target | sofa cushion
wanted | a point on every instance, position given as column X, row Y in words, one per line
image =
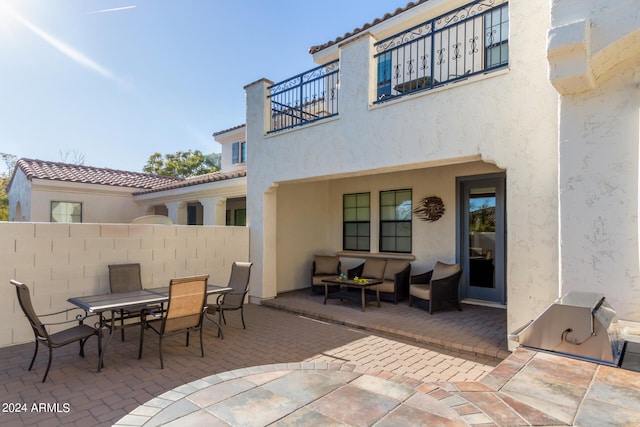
column 326, row 264
column 393, row 267
column 420, row 291
column 374, row 268
column 317, row 280
column 442, row 270
column 385, row 286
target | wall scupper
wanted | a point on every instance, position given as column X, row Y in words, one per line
column 569, row 55
column 584, row 50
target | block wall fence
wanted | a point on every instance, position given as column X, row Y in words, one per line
column 60, row 261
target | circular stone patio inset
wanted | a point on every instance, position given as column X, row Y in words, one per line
column 309, row 394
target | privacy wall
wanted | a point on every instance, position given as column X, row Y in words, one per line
column 60, row 261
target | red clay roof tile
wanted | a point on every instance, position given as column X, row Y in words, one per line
column 56, row 171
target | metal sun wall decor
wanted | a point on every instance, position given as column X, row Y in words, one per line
column 430, row 209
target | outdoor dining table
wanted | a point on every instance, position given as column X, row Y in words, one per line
column 99, row 304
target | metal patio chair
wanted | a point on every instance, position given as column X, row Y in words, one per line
column 233, row 300
column 79, row 333
column 185, row 312
column 124, row 278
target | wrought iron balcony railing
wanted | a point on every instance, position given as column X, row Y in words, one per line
column 305, row 98
column 470, row 40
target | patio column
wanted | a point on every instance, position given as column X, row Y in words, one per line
column 214, row 210
column 261, row 197
column 177, row 212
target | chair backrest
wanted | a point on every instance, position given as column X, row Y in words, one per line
column 124, row 277
column 324, row 265
column 239, row 280
column 24, row 298
column 442, row 270
column 186, row 305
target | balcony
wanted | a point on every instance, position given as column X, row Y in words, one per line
column 470, row 40
column 467, row 41
column 305, row 98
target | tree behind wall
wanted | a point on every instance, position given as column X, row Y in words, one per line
column 183, row 164
column 10, row 162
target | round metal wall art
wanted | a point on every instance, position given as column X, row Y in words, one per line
column 430, row 209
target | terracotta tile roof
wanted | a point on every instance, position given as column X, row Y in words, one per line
column 220, row 132
column 195, row 180
column 318, row 48
column 55, row 171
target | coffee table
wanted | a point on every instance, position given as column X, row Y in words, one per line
column 344, row 293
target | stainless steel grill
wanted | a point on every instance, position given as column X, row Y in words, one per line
column 580, row 325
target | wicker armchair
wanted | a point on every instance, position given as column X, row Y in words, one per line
column 437, row 286
column 324, row 267
column 78, row 333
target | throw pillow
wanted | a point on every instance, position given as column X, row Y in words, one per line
column 326, row 264
column 374, row 268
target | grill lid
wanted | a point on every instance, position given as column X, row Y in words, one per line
column 578, row 324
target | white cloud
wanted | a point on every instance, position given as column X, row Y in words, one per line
column 115, row 9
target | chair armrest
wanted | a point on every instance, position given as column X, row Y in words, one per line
column 422, row 279
column 447, row 281
column 80, row 318
column 446, row 287
column 355, row 271
column 401, row 280
column 404, row 275
column 64, row 311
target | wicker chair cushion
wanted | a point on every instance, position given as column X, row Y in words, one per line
column 385, row 286
column 374, row 268
column 442, row 270
column 317, row 280
column 393, row 267
column 420, row 291
column 326, row 264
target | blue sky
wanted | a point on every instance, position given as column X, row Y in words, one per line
column 117, row 80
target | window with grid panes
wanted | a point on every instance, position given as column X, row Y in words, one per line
column 356, row 217
column 395, row 221
column 66, row 212
column 496, row 34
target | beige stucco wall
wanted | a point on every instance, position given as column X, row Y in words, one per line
column 226, row 140
column 594, row 56
column 19, row 197
column 60, row 261
column 212, row 196
column 507, row 118
column 310, row 221
column 100, row 203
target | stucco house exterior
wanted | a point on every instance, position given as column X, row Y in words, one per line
column 43, row 191
column 522, row 114
column 526, row 110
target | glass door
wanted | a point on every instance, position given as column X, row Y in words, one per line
column 482, row 246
